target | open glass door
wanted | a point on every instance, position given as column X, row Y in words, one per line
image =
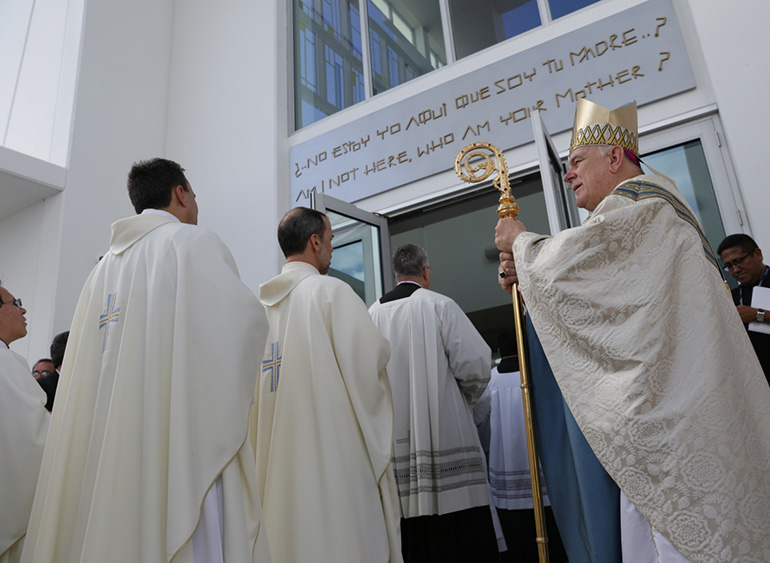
column 694, row 157
column 559, row 200
column 361, row 244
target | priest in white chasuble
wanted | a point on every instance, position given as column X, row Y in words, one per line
column 656, row 368
column 323, row 424
column 147, row 457
column 23, row 428
column 439, row 367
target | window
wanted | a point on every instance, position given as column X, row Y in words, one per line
column 335, row 83
column 393, row 66
column 561, row 8
column 478, row 25
column 348, row 50
column 328, row 63
column 331, row 14
column 409, row 35
column 686, row 165
column 307, row 59
column 358, row 85
column 376, row 54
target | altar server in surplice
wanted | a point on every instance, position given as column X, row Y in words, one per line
column 439, row 367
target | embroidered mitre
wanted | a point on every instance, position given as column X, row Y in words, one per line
column 597, row 125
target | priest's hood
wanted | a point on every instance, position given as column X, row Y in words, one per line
column 126, row 232
column 274, row 291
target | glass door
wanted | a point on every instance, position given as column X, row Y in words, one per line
column 559, row 199
column 361, row 244
column 694, row 157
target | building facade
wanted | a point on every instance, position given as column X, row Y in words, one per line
column 265, row 103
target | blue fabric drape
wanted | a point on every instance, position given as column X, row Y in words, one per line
column 584, row 498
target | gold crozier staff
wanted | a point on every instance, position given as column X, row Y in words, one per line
column 508, row 208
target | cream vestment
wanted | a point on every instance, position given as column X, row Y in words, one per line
column 153, row 404
column 324, row 425
column 656, row 367
column 23, row 428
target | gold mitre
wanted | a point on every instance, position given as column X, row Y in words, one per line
column 597, row 125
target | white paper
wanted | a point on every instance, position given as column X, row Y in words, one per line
column 760, row 299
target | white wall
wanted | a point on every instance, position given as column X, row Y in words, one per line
column 735, row 44
column 193, row 81
column 223, row 124
column 20, row 274
column 120, row 117
column 39, row 41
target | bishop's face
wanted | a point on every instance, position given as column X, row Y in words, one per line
column 13, row 324
column 589, row 175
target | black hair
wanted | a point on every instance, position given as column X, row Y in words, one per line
column 151, row 182
column 506, row 344
column 58, row 345
column 296, row 228
column 746, row 243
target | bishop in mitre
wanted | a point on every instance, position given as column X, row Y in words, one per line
column 643, row 340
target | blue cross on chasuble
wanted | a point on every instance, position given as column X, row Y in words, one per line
column 111, row 315
column 272, row 365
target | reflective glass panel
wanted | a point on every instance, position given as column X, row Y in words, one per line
column 561, row 8
column 348, row 266
column 686, row 165
column 478, row 24
column 406, row 40
column 356, row 256
column 328, row 68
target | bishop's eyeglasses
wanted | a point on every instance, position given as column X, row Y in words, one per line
column 16, row 302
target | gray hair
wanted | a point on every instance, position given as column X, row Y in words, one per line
column 409, row 260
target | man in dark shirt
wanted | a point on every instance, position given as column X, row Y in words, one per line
column 50, row 382
column 743, row 261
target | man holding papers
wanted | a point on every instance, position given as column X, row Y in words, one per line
column 743, row 261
